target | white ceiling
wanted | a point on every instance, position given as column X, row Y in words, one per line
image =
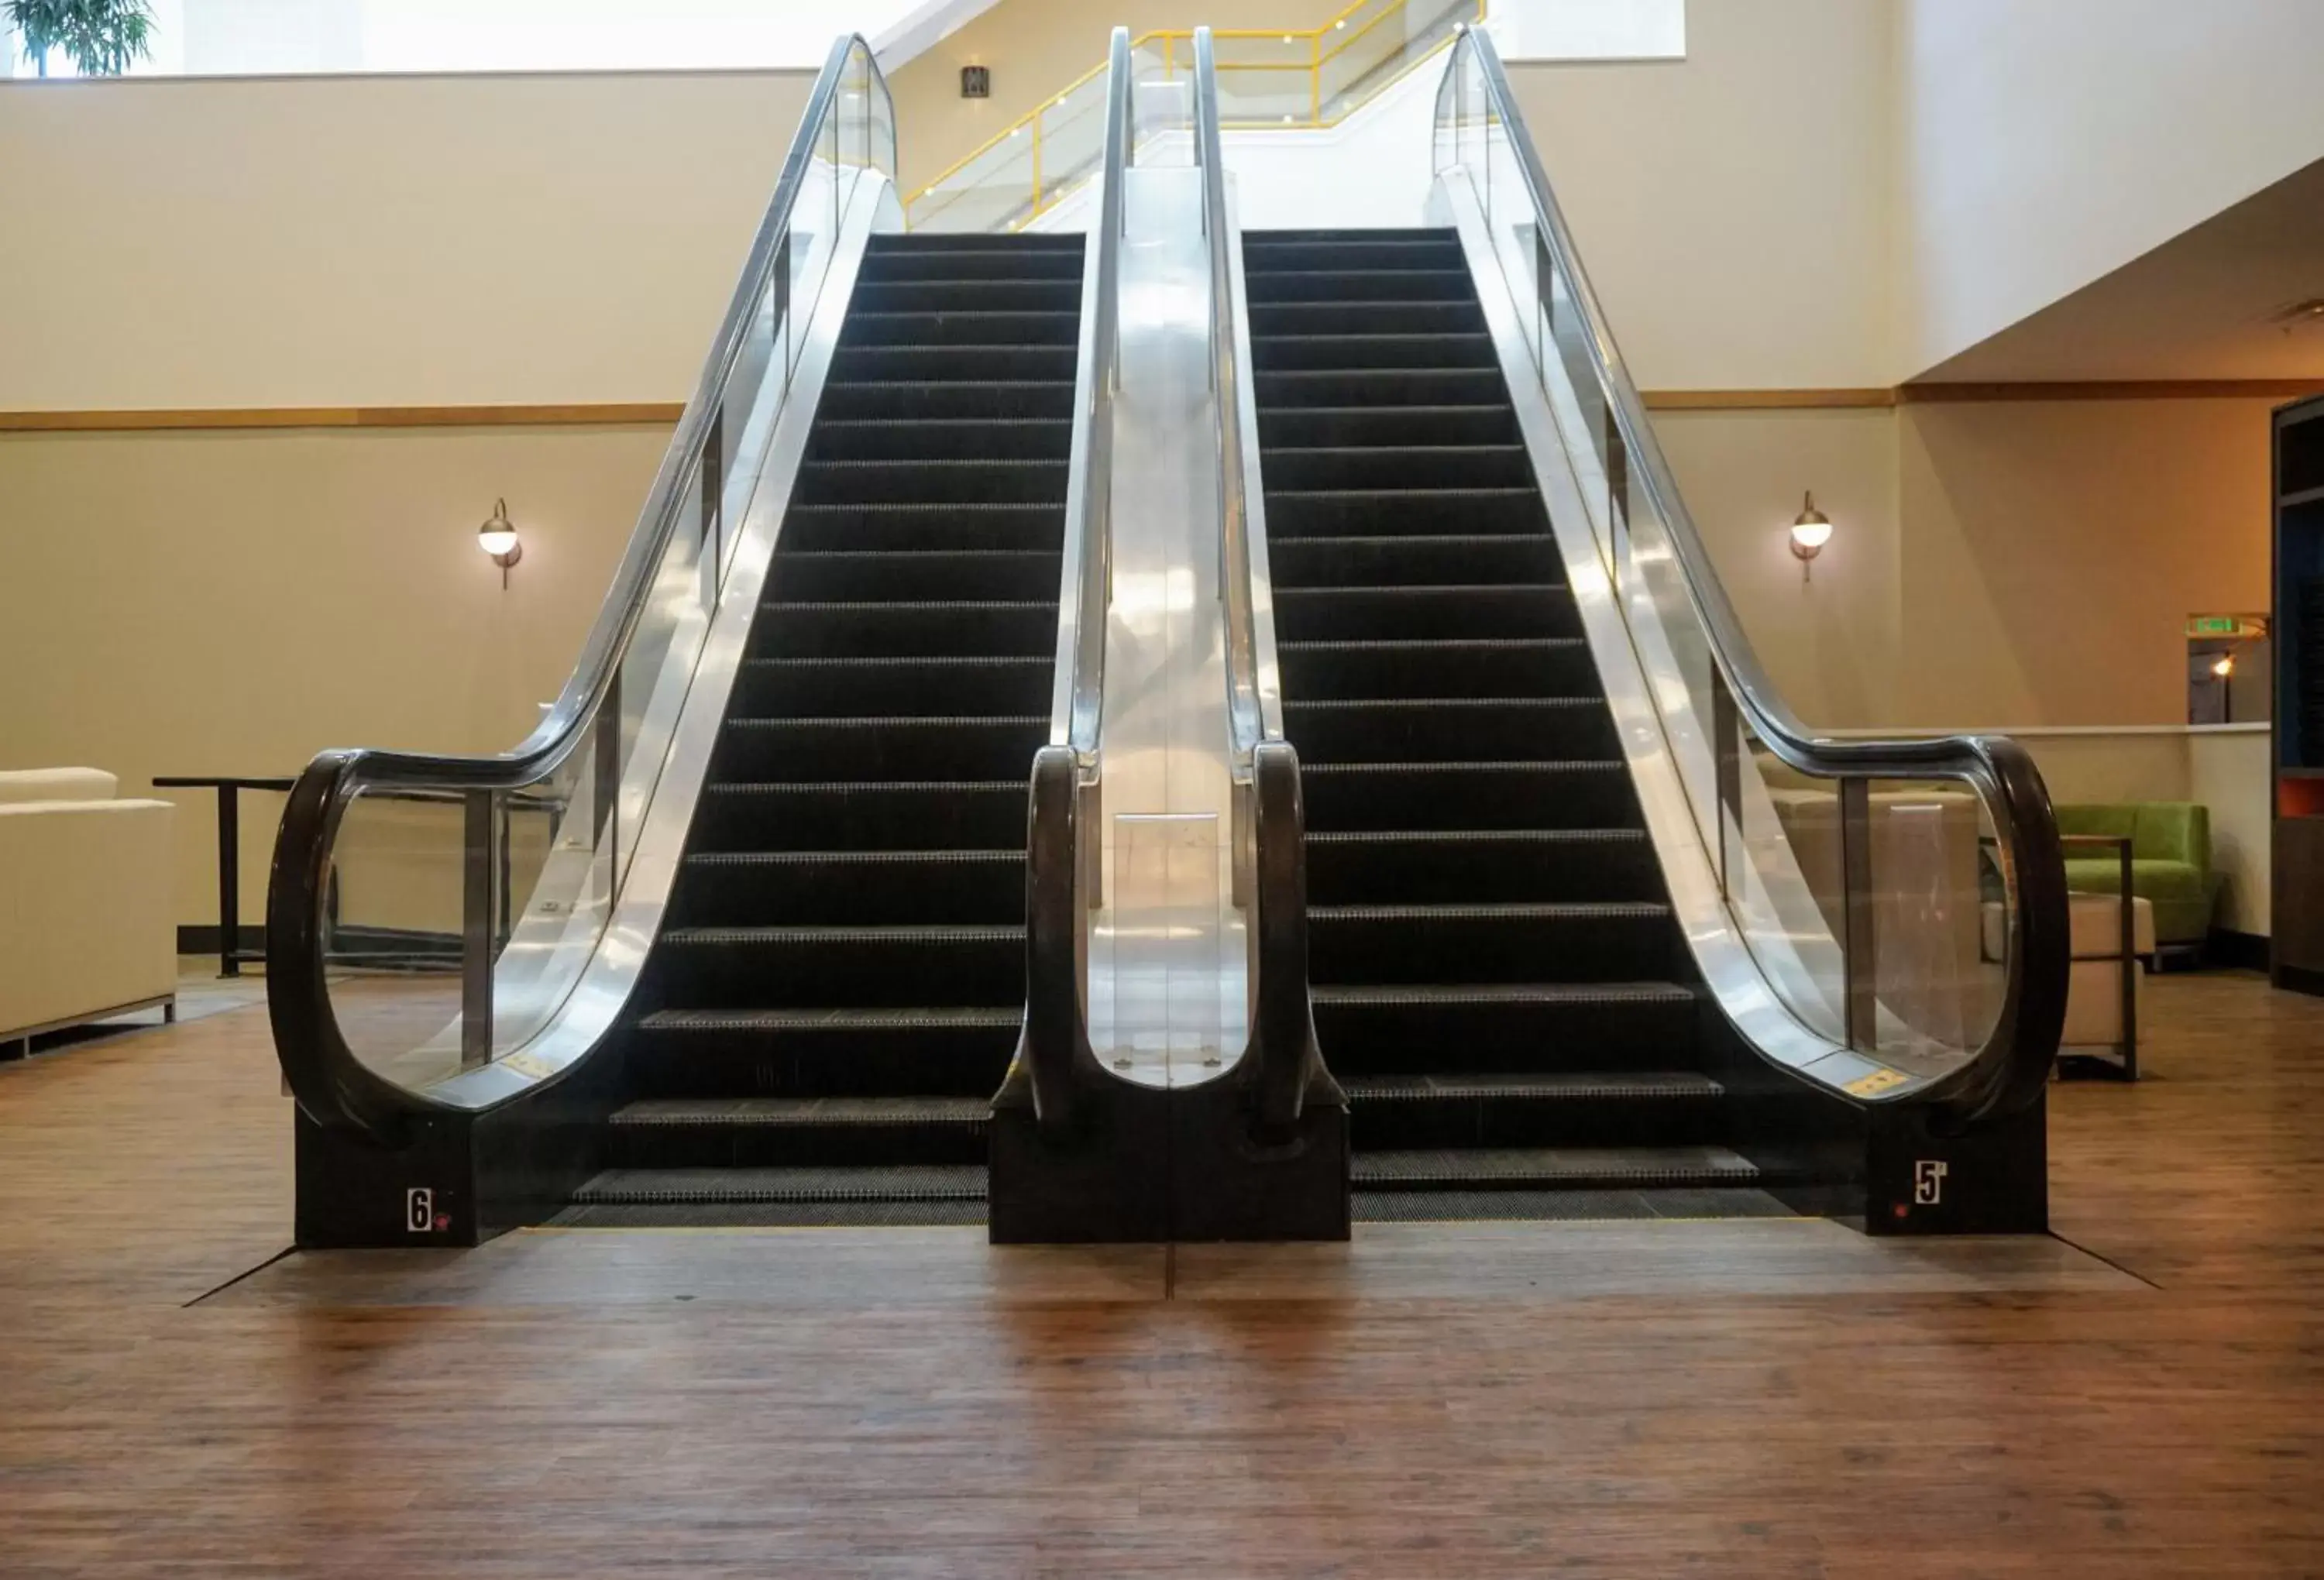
column 2197, row 307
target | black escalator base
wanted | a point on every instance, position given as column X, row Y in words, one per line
column 1498, row 978
column 840, row 980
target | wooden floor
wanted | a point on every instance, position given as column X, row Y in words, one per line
column 2142, row 1397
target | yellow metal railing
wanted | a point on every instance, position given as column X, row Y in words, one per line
column 1303, row 79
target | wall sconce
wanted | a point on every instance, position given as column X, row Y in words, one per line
column 2226, row 667
column 1810, row 533
column 497, row 537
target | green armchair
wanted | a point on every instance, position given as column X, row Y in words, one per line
column 2169, row 861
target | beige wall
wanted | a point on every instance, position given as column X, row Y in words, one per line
column 208, row 604
column 2053, row 551
column 377, row 241
column 1731, row 207
column 1034, row 47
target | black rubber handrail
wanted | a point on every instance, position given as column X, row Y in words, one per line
column 2009, row 1072
column 332, row 1087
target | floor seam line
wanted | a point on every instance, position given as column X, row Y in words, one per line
column 2102, row 1256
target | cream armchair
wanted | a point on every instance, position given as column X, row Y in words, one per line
column 87, row 929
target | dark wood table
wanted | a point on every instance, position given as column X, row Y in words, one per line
column 229, row 789
column 2127, row 951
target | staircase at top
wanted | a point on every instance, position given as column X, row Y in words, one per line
column 1498, row 979
column 840, row 978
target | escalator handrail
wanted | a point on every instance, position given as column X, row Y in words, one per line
column 1285, row 1062
column 1254, row 708
column 331, row 1084
column 1077, row 712
column 2011, row 1070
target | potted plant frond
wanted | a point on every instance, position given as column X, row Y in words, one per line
column 102, row 38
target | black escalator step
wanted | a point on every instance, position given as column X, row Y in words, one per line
column 1589, row 1206
column 1443, row 316
column 1279, row 354
column 907, row 400
column 712, row 967
column 960, row 1050
column 949, row 325
column 920, row 438
column 1299, row 389
column 1022, row 627
column 1375, row 612
column 1483, row 667
column 1020, row 244
column 884, row 750
column 1358, row 796
column 945, row 479
column 961, row 888
column 1406, row 468
column 1521, row 942
column 1442, row 559
column 773, row 1215
column 1396, row 512
column 1344, row 426
column 867, row 815
column 1270, row 254
column 744, row 1132
column 925, row 1182
column 1648, row 1107
column 951, row 265
column 1410, row 729
column 889, row 363
column 1352, row 285
column 1481, row 865
column 891, row 526
column 932, row 686
column 1059, row 295
column 1529, row 1028
column 975, row 574
column 1521, row 1168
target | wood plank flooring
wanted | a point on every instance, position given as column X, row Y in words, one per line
column 1758, row 1398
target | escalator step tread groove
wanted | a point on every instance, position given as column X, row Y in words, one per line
column 1567, row 1206
column 720, row 937
column 1479, row 836
column 851, row 858
column 740, row 1111
column 1566, row 993
column 973, row 1018
column 893, row 1183
column 1515, row 910
column 1578, row 1086
column 1527, row 1165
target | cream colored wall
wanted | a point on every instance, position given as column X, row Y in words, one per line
column 1732, row 208
column 2052, row 550
column 1034, row 47
column 2042, row 145
column 209, row 603
column 1830, row 643
column 377, row 241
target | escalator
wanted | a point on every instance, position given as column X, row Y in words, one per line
column 1498, row 981
column 841, row 979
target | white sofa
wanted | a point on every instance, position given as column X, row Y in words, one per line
column 87, row 929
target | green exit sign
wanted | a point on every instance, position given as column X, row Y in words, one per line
column 2227, row 625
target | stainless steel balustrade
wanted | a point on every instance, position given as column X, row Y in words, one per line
column 1886, row 917
column 540, row 872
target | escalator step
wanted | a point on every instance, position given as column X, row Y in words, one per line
column 1403, row 561
column 1463, row 609
column 743, row 1132
column 958, row 1050
column 1410, row 1206
column 1412, row 866
column 932, row 480
column 1271, row 285
column 917, row 686
column 1448, row 315
column 1479, row 667
column 987, row 438
column 1529, row 1109
column 904, row 400
column 1447, row 474
column 1519, row 1168
column 888, row 749
column 1291, row 389
column 1350, row 427
column 889, row 363
column 923, row 526
column 1384, row 512
column 884, row 966
column 772, row 1214
column 1266, row 253
column 790, row 887
column 1598, row 1085
column 1585, row 940
column 868, row 814
column 1013, row 296
column 1285, row 353
column 974, row 574
column 927, row 1182
column 929, row 326
column 1021, row 628
column 1513, row 1028
column 1411, row 729
column 1469, row 796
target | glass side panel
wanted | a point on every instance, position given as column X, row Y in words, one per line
column 1938, row 976
column 1785, row 878
column 393, row 931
